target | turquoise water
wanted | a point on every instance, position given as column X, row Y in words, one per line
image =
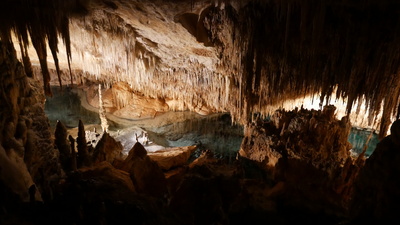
column 213, row 132
column 358, row 138
column 66, row 107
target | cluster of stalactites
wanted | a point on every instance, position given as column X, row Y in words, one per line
column 270, row 51
column 288, row 49
column 126, row 56
column 43, row 22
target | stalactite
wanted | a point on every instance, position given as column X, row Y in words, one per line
column 291, row 50
column 43, row 20
column 25, row 58
column 41, row 49
column 54, row 52
column 266, row 52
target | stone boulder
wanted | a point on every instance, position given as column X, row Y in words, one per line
column 104, row 176
column 107, row 149
column 206, row 192
column 305, row 149
column 15, row 175
column 172, row 157
column 146, row 175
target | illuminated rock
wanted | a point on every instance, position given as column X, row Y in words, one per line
column 107, row 149
column 146, row 175
column 172, row 157
column 83, row 156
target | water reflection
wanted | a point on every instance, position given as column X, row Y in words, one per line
column 214, row 132
column 66, row 107
column 358, row 138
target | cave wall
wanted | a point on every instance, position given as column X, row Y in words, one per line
column 29, row 164
column 309, row 153
column 239, row 56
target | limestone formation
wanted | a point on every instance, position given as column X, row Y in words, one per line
column 73, row 153
column 14, row 174
column 146, row 175
column 127, row 104
column 63, row 146
column 83, row 157
column 107, row 149
column 305, row 148
column 172, row 157
column 28, row 155
column 106, row 174
column 102, row 112
column 376, row 191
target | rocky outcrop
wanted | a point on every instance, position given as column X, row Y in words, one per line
column 146, row 175
column 107, row 149
column 206, row 192
column 27, row 153
column 376, row 191
column 104, row 174
column 172, row 157
column 74, row 165
column 63, row 146
column 83, row 156
column 309, row 152
column 15, row 175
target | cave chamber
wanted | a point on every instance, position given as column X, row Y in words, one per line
column 199, row 112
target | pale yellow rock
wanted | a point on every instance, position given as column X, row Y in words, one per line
column 172, row 157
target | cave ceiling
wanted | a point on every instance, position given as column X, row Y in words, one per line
column 236, row 56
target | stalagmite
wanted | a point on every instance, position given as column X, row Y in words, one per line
column 63, row 147
column 83, row 158
column 102, row 113
column 107, row 149
column 74, row 166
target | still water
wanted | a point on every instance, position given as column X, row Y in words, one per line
column 214, row 132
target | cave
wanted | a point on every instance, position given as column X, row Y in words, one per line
column 199, row 112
